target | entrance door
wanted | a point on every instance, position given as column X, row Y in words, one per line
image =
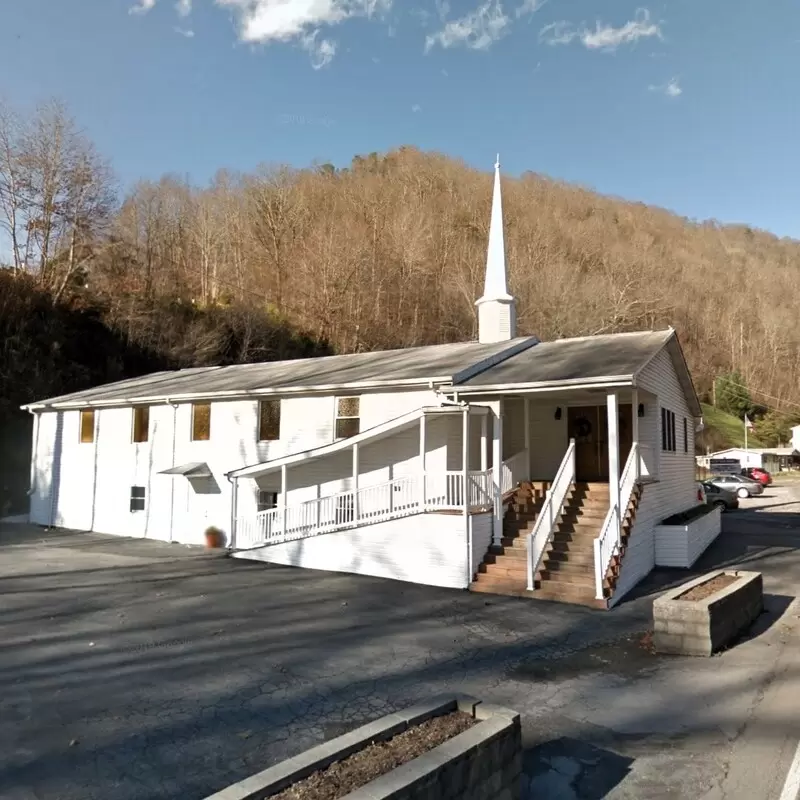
column 588, row 425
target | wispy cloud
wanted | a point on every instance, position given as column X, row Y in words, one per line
column 671, row 88
column 416, row 108
column 183, row 7
column 321, row 51
column 603, row 37
column 142, row 7
column 529, row 7
column 187, row 32
column 477, row 30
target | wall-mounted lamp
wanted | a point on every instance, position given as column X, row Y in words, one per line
column 558, row 413
column 641, row 410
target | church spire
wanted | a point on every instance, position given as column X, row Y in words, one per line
column 496, row 309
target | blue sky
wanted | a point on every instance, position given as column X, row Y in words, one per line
column 692, row 105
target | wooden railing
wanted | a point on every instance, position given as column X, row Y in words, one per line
column 544, row 527
column 607, row 544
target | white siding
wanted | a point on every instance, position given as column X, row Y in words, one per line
column 676, row 488
column 549, row 439
column 481, row 525
column 682, row 545
column 427, row 548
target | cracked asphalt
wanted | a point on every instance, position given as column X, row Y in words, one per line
column 135, row 670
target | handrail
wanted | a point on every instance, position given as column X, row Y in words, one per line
column 515, row 469
column 553, row 504
column 607, row 544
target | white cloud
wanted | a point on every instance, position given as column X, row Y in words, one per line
column 672, row 88
column 416, row 108
column 529, row 7
column 184, row 7
column 143, row 7
column 187, row 32
column 476, row 30
column 321, row 52
column 603, row 37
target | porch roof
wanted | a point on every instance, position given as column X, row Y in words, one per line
column 370, row 435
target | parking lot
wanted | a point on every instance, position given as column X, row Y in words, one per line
column 136, row 670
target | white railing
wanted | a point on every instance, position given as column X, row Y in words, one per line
column 607, row 544
column 543, row 529
column 374, row 503
column 515, row 469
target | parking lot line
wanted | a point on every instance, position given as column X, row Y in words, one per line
column 791, row 789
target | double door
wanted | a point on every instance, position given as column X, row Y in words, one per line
column 588, row 425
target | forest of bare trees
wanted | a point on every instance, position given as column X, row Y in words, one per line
column 388, row 252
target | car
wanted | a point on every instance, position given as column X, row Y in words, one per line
column 758, row 474
column 740, row 485
column 717, row 496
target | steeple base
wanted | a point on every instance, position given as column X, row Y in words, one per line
column 497, row 320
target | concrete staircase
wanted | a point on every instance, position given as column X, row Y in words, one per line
column 566, row 572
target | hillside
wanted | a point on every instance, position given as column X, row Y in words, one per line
column 723, row 430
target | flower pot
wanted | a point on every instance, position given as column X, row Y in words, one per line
column 214, row 538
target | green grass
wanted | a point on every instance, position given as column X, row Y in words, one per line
column 724, row 430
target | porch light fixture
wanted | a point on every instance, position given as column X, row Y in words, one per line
column 558, row 412
column 640, row 410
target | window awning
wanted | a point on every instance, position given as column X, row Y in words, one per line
column 194, row 469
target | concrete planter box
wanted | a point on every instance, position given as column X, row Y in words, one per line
column 682, row 545
column 701, row 627
column 482, row 763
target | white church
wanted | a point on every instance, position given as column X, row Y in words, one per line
column 506, row 465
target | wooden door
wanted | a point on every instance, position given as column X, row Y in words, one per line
column 588, row 425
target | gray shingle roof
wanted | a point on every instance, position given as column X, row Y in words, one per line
column 583, row 358
column 416, row 365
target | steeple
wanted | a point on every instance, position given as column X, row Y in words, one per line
column 496, row 309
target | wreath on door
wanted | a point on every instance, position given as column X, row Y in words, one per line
column 583, row 427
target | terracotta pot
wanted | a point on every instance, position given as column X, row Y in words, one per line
column 213, row 538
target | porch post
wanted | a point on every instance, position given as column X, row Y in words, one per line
column 635, row 429
column 528, row 435
column 612, row 406
column 466, row 496
column 484, row 443
column 283, row 498
column 234, row 511
column 423, row 446
column 355, row 481
column 497, row 468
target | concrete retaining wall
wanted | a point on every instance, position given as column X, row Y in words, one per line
column 482, row 763
column 701, row 627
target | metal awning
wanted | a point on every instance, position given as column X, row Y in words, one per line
column 194, row 469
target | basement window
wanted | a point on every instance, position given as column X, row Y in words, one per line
column 348, row 417
column 87, row 426
column 201, row 422
column 267, row 500
column 138, row 497
column 668, row 442
column 141, row 424
column 269, row 420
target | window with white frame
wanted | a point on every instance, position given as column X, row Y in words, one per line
column 348, row 417
column 138, row 498
column 668, row 441
column 269, row 420
column 267, row 500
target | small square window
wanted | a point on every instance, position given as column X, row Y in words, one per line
column 87, row 426
column 201, row 422
column 269, row 420
column 267, row 500
column 348, row 419
column 138, row 498
column 141, row 424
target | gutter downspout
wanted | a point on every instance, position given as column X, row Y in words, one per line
column 172, row 482
column 34, row 453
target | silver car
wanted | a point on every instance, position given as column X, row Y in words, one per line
column 740, row 485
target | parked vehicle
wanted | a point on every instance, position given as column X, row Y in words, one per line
column 758, row 474
column 740, row 485
column 717, row 496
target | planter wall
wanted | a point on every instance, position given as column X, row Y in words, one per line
column 701, row 627
column 482, row 763
column 682, row 545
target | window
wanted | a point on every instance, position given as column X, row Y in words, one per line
column 269, row 420
column 87, row 426
column 668, row 431
column 141, row 424
column 685, row 435
column 267, row 500
column 138, row 495
column 201, row 422
column 348, row 421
